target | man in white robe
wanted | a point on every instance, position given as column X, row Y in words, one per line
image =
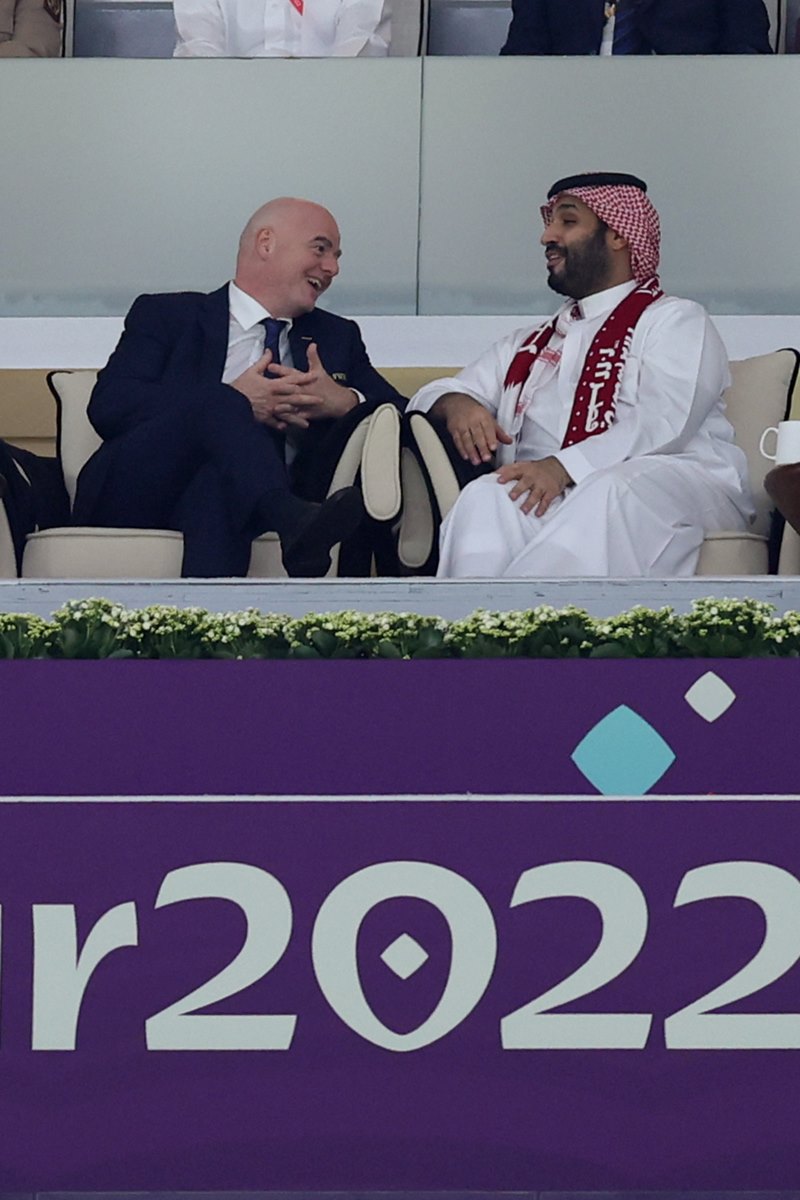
column 607, row 426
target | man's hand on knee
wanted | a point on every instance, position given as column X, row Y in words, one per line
column 474, row 431
column 543, row 480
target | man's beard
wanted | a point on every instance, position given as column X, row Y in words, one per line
column 585, row 269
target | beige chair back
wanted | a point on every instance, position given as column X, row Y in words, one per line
column 760, row 395
column 8, row 561
column 76, row 437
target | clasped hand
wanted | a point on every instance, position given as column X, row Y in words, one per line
column 291, row 397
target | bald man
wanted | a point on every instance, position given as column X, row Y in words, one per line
column 223, row 415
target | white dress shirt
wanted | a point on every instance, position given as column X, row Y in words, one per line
column 246, row 334
column 607, row 44
column 278, row 29
column 670, row 400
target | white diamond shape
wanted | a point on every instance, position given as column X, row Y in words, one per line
column 404, row 956
column 710, row 696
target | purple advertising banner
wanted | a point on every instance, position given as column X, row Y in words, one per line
column 385, row 926
column 673, row 727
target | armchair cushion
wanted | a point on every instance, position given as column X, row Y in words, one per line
column 93, row 553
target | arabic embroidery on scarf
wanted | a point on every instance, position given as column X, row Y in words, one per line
column 595, row 402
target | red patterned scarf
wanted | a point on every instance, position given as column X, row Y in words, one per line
column 595, row 402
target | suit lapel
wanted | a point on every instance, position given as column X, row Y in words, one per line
column 299, row 340
column 596, row 18
column 214, row 316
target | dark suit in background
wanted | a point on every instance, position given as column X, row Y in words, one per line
column 182, row 450
column 667, row 26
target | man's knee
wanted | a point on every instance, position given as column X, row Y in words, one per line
column 481, row 501
column 605, row 486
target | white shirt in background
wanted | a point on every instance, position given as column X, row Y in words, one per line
column 277, row 29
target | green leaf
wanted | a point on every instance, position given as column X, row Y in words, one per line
column 304, row 652
column 343, row 650
column 72, row 642
column 609, row 650
column 8, row 649
column 323, row 641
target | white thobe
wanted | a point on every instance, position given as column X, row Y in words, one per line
column 276, row 29
column 647, row 490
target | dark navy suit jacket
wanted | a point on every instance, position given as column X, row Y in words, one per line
column 668, row 26
column 175, row 344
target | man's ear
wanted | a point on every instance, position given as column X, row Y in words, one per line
column 619, row 246
column 615, row 241
column 265, row 240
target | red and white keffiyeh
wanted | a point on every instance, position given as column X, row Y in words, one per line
column 628, row 211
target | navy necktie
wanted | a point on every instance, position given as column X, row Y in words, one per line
column 272, row 335
column 627, row 39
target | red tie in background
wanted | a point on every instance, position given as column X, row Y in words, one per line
column 298, row 5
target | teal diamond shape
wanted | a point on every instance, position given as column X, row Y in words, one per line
column 623, row 755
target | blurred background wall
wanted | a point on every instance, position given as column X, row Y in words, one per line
column 124, row 175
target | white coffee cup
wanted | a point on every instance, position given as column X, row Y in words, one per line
column 787, row 443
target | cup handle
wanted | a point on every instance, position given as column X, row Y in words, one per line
column 772, row 429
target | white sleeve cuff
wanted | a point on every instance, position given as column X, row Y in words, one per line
column 575, row 463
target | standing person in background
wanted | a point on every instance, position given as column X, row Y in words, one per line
column 282, row 28
column 31, row 29
column 638, row 27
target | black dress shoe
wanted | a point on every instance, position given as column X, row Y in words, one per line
column 306, row 551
